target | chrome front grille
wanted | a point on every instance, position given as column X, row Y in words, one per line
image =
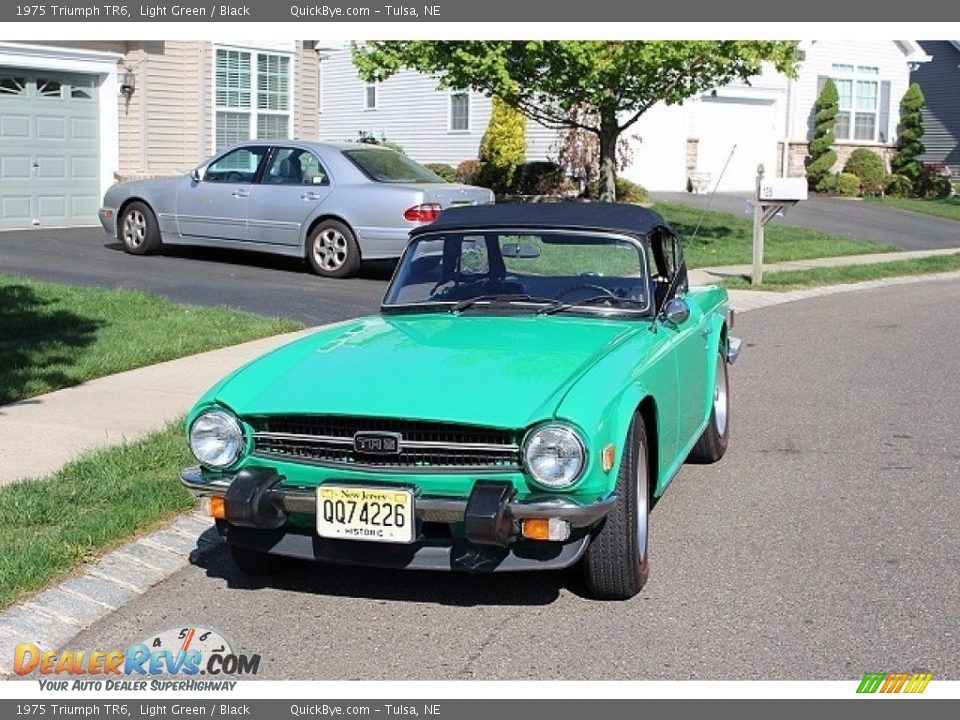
column 424, row 446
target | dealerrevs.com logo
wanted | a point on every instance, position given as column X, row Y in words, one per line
column 910, row 683
column 183, row 651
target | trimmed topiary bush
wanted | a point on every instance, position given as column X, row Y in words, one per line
column 909, row 134
column 898, row 186
column 848, row 185
column 868, row 166
column 503, row 148
column 827, row 185
column 822, row 156
column 447, row 172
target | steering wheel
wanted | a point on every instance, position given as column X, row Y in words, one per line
column 233, row 176
column 583, row 286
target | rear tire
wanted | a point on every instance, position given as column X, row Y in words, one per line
column 617, row 562
column 332, row 250
column 712, row 444
column 254, row 562
column 138, row 229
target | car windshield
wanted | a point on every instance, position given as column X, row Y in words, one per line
column 531, row 272
column 388, row 166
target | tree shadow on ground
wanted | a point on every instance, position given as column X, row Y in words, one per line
column 37, row 342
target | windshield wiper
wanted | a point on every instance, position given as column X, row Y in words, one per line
column 560, row 307
column 507, row 298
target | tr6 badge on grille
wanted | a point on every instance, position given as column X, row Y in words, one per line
column 377, row 443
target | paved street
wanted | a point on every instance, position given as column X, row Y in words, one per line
column 264, row 284
column 847, row 218
column 824, row 545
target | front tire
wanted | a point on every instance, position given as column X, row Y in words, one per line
column 712, row 444
column 617, row 562
column 332, row 250
column 138, row 230
column 253, row 562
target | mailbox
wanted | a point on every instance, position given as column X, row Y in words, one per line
column 787, row 189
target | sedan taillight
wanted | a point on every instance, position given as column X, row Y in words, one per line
column 425, row 213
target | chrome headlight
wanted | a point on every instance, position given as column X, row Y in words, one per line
column 216, row 438
column 554, row 455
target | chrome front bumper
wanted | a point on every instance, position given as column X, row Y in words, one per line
column 429, row 509
column 733, row 349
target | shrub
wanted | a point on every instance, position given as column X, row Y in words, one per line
column 898, row 186
column 822, row 156
column 934, row 182
column 539, row 178
column 503, row 147
column 467, row 171
column 828, row 184
column 848, row 185
column 447, row 172
column 627, row 191
column 909, row 134
column 868, row 166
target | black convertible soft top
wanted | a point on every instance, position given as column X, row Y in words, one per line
column 611, row 217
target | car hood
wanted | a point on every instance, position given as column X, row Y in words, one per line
column 138, row 187
column 497, row 371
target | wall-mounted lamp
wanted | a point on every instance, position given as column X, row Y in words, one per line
column 128, row 84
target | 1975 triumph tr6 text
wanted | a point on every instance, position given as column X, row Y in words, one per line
column 536, row 377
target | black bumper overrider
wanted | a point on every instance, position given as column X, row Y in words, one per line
column 257, row 506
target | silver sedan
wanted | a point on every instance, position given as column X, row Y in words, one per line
column 333, row 203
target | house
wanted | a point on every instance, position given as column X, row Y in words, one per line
column 76, row 116
column 940, row 81
column 718, row 138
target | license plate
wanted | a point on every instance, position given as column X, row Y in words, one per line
column 362, row 513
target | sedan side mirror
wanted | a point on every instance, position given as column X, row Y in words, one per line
column 195, row 174
column 675, row 312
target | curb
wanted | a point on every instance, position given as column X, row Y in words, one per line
column 53, row 616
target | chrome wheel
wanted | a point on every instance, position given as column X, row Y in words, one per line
column 330, row 249
column 643, row 502
column 134, row 228
column 720, row 397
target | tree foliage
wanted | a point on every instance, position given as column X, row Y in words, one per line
column 614, row 82
column 503, row 147
column 909, row 133
column 822, row 155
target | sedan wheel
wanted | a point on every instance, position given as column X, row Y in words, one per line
column 138, row 230
column 332, row 250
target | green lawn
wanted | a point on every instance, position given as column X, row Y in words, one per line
column 53, row 336
column 941, row 207
column 792, row 279
column 50, row 525
column 726, row 239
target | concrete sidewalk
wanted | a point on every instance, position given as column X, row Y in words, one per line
column 706, row 276
column 40, row 435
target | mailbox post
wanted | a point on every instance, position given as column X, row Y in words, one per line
column 773, row 196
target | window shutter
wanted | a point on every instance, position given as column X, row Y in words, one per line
column 884, row 131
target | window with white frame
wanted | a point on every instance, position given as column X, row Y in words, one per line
column 459, row 111
column 252, row 96
column 370, row 96
column 858, row 87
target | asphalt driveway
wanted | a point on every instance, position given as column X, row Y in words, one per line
column 845, row 217
column 264, row 284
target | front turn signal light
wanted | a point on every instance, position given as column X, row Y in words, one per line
column 609, row 457
column 216, row 506
column 545, row 529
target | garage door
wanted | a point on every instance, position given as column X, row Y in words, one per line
column 745, row 128
column 49, row 149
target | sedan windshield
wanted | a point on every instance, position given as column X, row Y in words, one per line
column 388, row 166
column 528, row 272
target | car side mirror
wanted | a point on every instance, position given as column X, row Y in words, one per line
column 675, row 312
column 195, row 174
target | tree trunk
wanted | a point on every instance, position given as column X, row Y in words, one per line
column 609, row 133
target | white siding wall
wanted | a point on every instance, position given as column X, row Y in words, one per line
column 888, row 56
column 410, row 111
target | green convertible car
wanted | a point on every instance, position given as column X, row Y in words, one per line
column 536, row 377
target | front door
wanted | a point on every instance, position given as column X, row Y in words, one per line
column 292, row 185
column 215, row 206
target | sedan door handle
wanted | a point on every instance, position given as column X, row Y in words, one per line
column 240, row 193
column 309, row 196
